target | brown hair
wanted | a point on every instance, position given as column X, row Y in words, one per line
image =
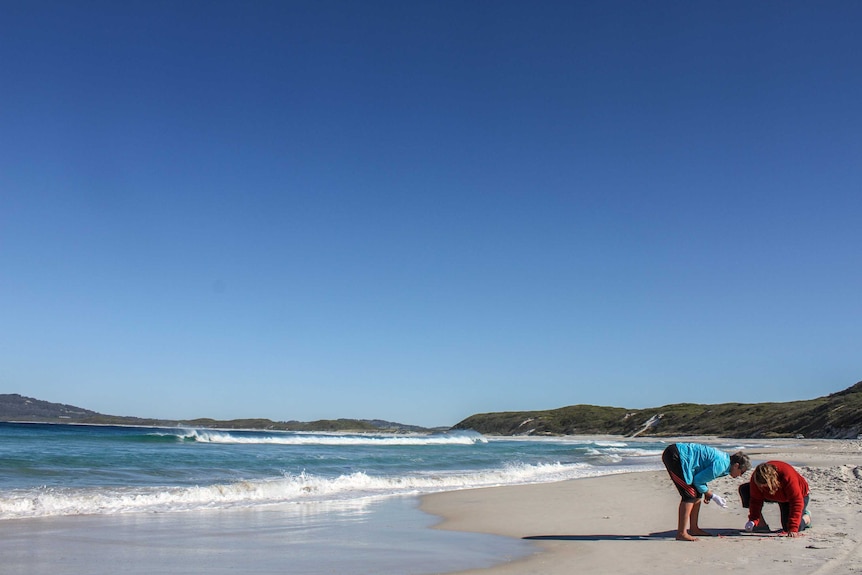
column 766, row 476
column 741, row 459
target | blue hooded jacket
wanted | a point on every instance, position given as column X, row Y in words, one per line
column 701, row 464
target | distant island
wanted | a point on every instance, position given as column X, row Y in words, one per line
column 835, row 416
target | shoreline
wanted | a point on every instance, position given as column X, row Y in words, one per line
column 620, row 522
column 626, row 523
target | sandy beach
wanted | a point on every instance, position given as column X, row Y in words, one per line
column 622, row 523
column 626, row 523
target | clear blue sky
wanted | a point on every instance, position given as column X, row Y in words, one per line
column 418, row 211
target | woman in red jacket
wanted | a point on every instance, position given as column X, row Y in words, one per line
column 778, row 482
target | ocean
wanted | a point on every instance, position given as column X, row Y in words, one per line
column 342, row 503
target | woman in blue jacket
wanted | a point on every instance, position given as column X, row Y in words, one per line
column 691, row 466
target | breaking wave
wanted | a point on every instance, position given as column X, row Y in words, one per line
column 45, row 501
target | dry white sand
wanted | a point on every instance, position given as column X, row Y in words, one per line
column 626, row 523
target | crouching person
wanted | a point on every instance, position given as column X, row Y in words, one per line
column 777, row 482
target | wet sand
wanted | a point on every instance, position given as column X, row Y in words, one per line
column 383, row 537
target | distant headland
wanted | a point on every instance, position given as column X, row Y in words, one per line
column 18, row 408
column 835, row 416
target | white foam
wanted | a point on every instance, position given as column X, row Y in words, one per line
column 44, row 502
column 205, row 436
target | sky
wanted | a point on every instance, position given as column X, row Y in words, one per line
column 419, row 211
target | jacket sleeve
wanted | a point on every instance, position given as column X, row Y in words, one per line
column 704, row 476
column 796, row 501
column 755, row 503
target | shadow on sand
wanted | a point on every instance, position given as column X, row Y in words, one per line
column 661, row 535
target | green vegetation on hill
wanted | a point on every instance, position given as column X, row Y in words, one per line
column 838, row 415
column 15, row 407
column 835, row 416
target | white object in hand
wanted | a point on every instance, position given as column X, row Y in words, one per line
column 749, row 526
column 719, row 500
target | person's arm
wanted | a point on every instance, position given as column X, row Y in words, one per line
column 755, row 504
column 718, row 468
column 796, row 502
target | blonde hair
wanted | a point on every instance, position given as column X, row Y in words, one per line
column 766, row 476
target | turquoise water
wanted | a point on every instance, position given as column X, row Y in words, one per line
column 204, row 501
column 54, row 470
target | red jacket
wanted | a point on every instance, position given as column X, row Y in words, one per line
column 793, row 488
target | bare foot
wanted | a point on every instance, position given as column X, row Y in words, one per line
column 685, row 537
column 700, row 532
